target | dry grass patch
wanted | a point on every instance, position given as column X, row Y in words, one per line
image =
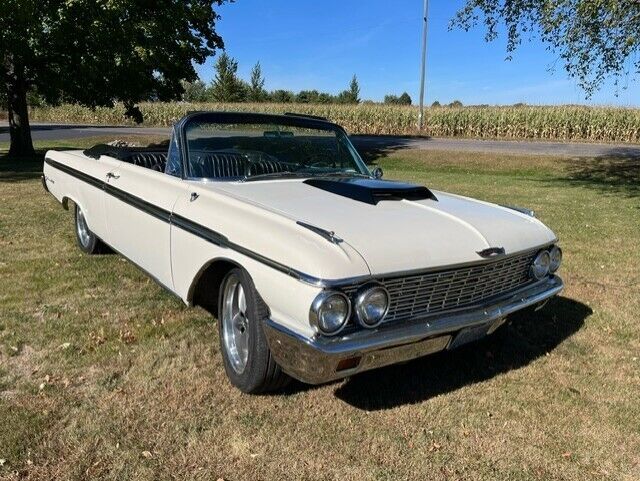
column 103, row 375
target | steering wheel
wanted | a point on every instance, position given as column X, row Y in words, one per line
column 321, row 159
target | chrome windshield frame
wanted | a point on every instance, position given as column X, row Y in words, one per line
column 287, row 120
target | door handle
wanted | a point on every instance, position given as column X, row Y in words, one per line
column 194, row 196
column 112, row 175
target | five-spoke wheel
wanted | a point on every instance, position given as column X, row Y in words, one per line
column 245, row 351
column 87, row 240
column 234, row 320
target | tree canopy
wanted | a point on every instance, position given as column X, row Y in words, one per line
column 257, row 92
column 96, row 52
column 352, row 94
column 404, row 99
column 227, row 86
column 354, row 90
column 595, row 39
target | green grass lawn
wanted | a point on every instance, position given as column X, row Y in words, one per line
column 103, row 375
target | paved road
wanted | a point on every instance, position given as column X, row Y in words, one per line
column 383, row 143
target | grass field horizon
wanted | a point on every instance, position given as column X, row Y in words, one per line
column 104, row 375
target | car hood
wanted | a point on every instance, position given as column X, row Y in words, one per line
column 401, row 234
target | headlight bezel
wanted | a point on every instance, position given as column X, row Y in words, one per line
column 536, row 273
column 315, row 312
column 554, row 265
column 359, row 304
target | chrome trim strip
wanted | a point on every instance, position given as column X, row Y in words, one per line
column 522, row 210
column 491, row 252
column 138, row 203
column 199, row 230
column 314, row 360
column 75, row 173
column 412, row 272
column 220, row 240
column 183, row 223
column 325, row 234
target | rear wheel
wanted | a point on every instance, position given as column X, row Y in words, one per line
column 87, row 240
column 245, row 351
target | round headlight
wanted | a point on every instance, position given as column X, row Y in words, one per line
column 556, row 258
column 372, row 304
column 329, row 312
column 540, row 266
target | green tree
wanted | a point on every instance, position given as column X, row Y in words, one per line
column 391, row 99
column 226, row 86
column 350, row 96
column 195, row 91
column 325, row 98
column 282, row 96
column 257, row 92
column 436, row 104
column 455, row 103
column 404, row 99
column 354, row 90
column 594, row 38
column 97, row 52
column 304, row 97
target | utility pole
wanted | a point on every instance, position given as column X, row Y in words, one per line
column 423, row 68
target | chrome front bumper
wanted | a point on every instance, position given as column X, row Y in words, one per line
column 321, row 359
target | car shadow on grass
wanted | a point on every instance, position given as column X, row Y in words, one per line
column 527, row 336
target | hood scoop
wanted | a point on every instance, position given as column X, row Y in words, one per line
column 371, row 191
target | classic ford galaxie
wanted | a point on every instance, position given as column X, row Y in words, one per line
column 316, row 267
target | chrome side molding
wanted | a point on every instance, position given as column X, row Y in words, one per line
column 329, row 235
column 522, row 210
column 491, row 252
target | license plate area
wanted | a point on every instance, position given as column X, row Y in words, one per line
column 470, row 334
column 404, row 353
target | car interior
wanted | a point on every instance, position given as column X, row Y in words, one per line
column 236, row 156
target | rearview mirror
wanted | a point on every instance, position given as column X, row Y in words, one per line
column 377, row 173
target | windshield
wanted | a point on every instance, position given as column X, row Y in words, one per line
column 268, row 149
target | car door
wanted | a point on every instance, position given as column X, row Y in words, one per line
column 138, row 205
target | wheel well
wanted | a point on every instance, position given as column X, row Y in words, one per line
column 65, row 202
column 205, row 287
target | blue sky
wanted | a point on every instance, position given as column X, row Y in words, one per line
column 305, row 44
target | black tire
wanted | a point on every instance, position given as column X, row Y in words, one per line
column 260, row 373
column 87, row 240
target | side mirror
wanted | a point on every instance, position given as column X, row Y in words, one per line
column 377, row 173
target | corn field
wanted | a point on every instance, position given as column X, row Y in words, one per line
column 596, row 124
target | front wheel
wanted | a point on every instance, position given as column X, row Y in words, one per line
column 245, row 351
column 87, row 240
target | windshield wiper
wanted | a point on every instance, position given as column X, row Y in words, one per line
column 340, row 174
column 289, row 174
column 273, row 175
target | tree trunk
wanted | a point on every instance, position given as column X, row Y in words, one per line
column 19, row 130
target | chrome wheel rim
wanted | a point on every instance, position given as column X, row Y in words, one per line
column 235, row 324
column 83, row 229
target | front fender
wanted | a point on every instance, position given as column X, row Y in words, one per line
column 288, row 299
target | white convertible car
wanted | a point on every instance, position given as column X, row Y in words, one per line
column 316, row 268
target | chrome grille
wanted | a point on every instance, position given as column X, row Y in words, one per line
column 420, row 295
